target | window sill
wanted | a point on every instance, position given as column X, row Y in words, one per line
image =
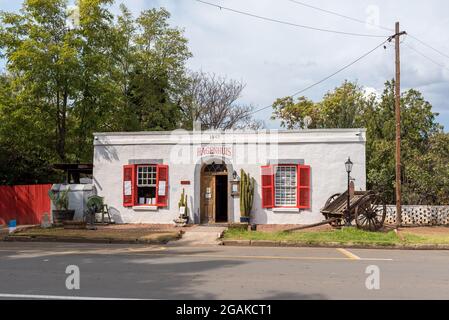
column 286, row 210
column 145, row 208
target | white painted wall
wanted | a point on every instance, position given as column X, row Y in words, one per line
column 78, row 196
column 324, row 150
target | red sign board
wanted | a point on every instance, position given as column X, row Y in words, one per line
column 212, row 151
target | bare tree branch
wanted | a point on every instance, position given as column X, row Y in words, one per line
column 212, row 100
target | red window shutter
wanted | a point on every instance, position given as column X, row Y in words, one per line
column 267, row 187
column 161, row 177
column 304, row 187
column 129, row 185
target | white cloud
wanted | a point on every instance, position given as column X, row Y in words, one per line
column 277, row 60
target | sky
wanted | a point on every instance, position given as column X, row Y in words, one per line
column 276, row 60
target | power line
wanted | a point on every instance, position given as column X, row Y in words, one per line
column 328, row 77
column 367, row 23
column 341, row 15
column 289, row 23
column 427, row 57
column 429, row 46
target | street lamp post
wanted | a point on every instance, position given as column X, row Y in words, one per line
column 348, row 165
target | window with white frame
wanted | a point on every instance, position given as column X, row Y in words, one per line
column 285, row 179
column 146, row 184
column 146, row 176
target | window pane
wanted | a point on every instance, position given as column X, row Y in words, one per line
column 285, row 186
column 146, row 176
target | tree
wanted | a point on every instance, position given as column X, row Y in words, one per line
column 96, row 98
column 24, row 152
column 425, row 170
column 341, row 108
column 212, row 100
column 426, row 177
column 151, row 70
column 65, row 81
column 42, row 59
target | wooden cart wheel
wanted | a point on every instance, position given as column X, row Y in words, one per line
column 336, row 223
column 332, row 199
column 371, row 212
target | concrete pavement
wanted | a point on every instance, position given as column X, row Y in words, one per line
column 217, row 272
column 200, row 236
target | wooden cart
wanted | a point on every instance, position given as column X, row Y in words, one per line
column 366, row 208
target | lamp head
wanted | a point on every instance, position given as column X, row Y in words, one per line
column 348, row 165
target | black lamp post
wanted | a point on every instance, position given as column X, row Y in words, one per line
column 348, row 165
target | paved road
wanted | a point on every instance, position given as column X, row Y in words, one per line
column 118, row 271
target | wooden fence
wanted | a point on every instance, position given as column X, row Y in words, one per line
column 25, row 204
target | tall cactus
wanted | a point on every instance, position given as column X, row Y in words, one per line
column 183, row 201
column 246, row 193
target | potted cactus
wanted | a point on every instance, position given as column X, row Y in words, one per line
column 183, row 219
column 61, row 202
column 247, row 184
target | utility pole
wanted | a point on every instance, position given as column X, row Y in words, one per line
column 397, row 37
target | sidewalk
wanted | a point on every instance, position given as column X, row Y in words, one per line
column 200, row 236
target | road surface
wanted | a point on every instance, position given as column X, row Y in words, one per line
column 38, row 270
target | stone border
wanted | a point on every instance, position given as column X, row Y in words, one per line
column 292, row 244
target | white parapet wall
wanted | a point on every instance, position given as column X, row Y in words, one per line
column 420, row 215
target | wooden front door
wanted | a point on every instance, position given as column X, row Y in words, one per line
column 207, row 198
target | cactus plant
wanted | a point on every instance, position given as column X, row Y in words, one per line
column 60, row 199
column 247, row 184
column 183, row 202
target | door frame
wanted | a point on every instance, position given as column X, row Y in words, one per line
column 213, row 185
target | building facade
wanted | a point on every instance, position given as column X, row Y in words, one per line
column 142, row 175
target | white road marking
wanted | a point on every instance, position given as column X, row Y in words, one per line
column 47, row 297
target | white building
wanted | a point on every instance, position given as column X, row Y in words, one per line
column 142, row 175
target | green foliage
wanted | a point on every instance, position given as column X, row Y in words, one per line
column 60, row 199
column 247, row 185
column 425, row 172
column 62, row 84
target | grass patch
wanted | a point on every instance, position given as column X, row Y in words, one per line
column 121, row 235
column 345, row 235
column 411, row 238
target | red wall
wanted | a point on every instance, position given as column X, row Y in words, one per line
column 26, row 204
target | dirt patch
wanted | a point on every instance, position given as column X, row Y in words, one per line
column 103, row 233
